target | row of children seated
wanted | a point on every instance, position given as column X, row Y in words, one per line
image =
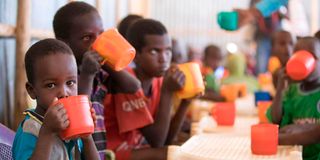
column 68, row 66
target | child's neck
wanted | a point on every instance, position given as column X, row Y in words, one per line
column 40, row 110
column 311, row 85
column 146, row 81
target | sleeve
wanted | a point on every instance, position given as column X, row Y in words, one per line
column 286, row 103
column 211, row 83
column 24, row 146
column 267, row 7
column 132, row 111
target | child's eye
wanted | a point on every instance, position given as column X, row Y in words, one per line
column 71, row 83
column 153, row 52
column 50, row 85
column 86, row 38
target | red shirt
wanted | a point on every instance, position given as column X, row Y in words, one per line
column 125, row 114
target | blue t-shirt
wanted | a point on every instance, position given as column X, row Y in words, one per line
column 26, row 138
column 267, row 7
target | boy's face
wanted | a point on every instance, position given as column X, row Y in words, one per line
column 83, row 33
column 282, row 47
column 154, row 58
column 55, row 75
column 213, row 59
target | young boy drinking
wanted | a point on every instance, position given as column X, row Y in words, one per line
column 136, row 125
column 78, row 24
column 52, row 74
column 296, row 106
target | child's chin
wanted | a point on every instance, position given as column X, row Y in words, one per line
column 160, row 74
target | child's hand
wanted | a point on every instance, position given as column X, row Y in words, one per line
column 56, row 118
column 91, row 63
column 174, row 79
column 93, row 115
column 283, row 79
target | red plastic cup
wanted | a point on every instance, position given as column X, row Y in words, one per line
column 193, row 83
column 262, row 109
column 115, row 49
column 224, row 113
column 264, row 139
column 300, row 65
column 81, row 122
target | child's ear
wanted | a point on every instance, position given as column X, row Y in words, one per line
column 30, row 90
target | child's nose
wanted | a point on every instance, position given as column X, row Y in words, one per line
column 63, row 92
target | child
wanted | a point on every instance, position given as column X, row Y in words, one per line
column 52, row 74
column 126, row 22
column 236, row 65
column 281, row 48
column 296, row 106
column 211, row 62
column 132, row 124
column 177, row 54
column 78, row 24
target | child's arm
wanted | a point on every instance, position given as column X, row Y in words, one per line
column 276, row 108
column 90, row 150
column 123, row 81
column 88, row 69
column 299, row 134
column 156, row 133
column 149, row 153
column 55, row 120
column 177, row 120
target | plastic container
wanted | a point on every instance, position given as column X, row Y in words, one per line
column 274, row 64
column 115, row 49
column 224, row 113
column 228, row 20
column 262, row 110
column 300, row 65
column 81, row 122
column 264, row 139
column 232, row 91
column 193, row 80
column 261, row 96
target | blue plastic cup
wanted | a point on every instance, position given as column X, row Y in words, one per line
column 261, row 96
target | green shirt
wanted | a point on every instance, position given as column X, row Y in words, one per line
column 301, row 107
column 212, row 82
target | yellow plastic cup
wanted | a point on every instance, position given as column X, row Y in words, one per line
column 194, row 83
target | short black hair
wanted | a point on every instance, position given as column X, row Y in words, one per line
column 126, row 22
column 317, row 35
column 274, row 35
column 41, row 49
column 63, row 19
column 138, row 30
column 210, row 47
column 311, row 45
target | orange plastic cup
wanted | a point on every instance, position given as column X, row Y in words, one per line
column 300, row 65
column 115, row 49
column 265, row 79
column 224, row 113
column 230, row 92
column 242, row 89
column 81, row 122
column 262, row 110
column 274, row 64
column 264, row 139
column 193, row 83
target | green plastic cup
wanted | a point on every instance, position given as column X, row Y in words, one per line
column 228, row 20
